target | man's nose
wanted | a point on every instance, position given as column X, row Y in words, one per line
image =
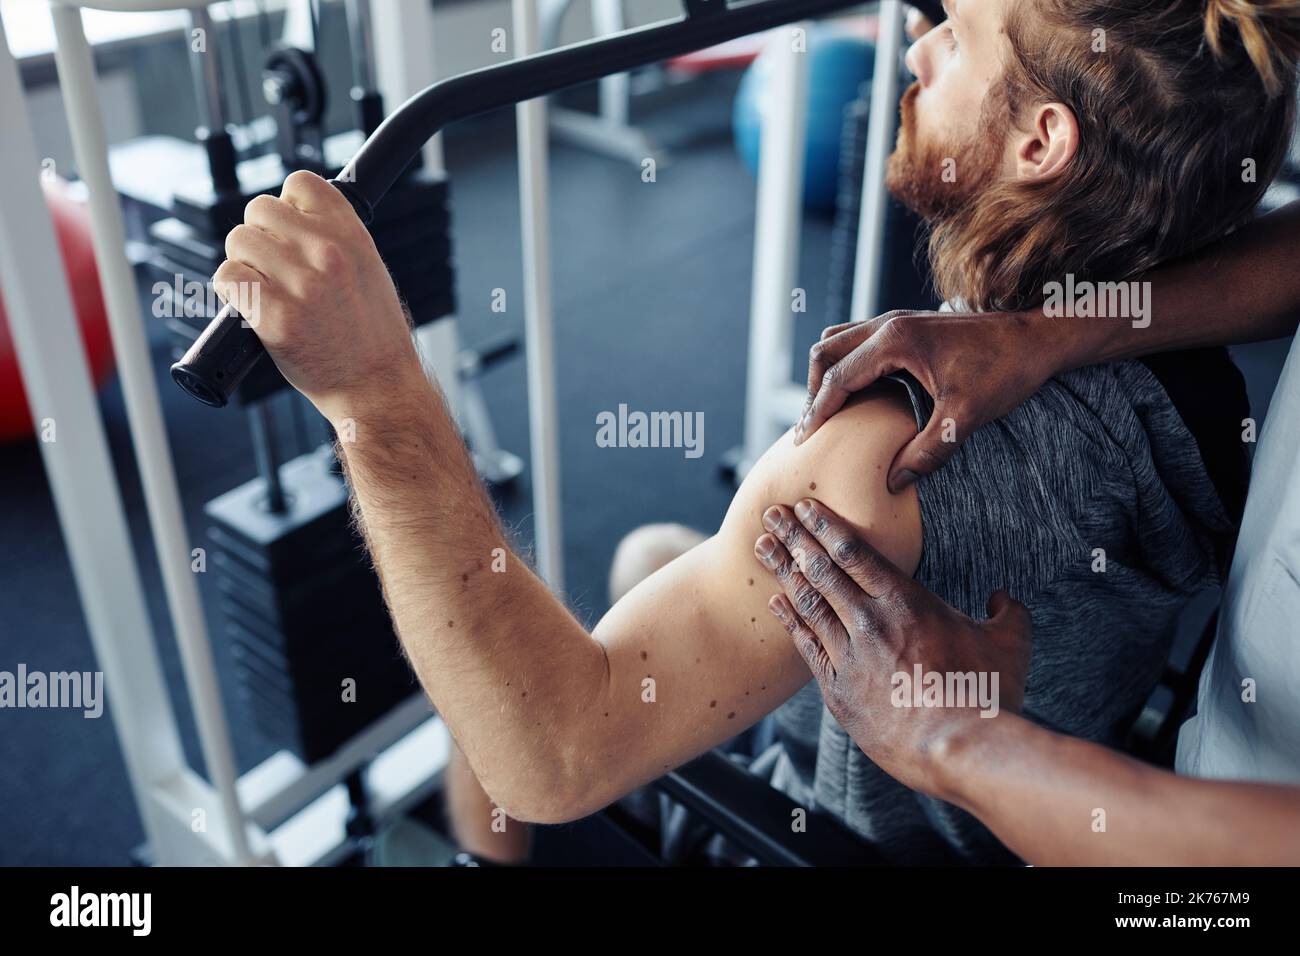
column 916, row 62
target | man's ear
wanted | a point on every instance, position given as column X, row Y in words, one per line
column 1047, row 147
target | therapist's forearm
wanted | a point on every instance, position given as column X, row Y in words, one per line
column 503, row 661
column 1243, row 288
column 1048, row 797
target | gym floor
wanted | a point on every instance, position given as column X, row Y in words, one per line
column 651, row 298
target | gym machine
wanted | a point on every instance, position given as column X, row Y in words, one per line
column 281, row 810
column 228, row 350
column 313, row 650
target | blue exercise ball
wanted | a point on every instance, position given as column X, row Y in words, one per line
column 838, row 65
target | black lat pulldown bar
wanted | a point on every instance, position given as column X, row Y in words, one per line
column 228, row 349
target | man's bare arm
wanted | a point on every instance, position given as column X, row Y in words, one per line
column 556, row 722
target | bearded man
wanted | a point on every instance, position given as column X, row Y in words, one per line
column 1042, row 139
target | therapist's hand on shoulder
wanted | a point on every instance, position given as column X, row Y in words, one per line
column 305, row 273
column 976, row 367
column 866, row 631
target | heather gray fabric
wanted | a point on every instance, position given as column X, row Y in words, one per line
column 1098, row 458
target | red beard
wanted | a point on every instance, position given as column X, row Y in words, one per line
column 932, row 179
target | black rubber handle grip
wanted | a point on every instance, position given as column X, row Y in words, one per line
column 219, row 359
column 223, row 355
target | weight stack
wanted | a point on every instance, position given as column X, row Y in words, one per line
column 411, row 228
column 303, row 611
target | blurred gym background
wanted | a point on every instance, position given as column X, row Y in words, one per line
column 651, row 286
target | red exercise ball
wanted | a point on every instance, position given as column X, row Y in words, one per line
column 72, row 229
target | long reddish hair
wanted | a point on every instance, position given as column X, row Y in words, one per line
column 1184, row 118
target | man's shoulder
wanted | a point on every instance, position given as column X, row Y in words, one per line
column 845, row 465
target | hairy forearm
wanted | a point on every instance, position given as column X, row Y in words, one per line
column 1058, row 800
column 509, row 669
column 1243, row 288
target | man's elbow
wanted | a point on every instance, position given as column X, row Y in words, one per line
column 554, row 790
column 546, row 809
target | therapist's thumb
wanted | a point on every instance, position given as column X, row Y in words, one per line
column 1008, row 614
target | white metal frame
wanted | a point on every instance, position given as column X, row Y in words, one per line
column 281, row 811
column 609, row 129
column 772, row 401
column 539, row 320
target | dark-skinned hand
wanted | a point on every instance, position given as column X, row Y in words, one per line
column 857, row 621
column 976, row 367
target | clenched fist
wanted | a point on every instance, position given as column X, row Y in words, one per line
column 304, row 272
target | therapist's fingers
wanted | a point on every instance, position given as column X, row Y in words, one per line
column 805, row 599
column 870, row 570
column 806, row 642
column 821, row 572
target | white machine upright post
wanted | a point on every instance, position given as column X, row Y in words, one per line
column 615, row 90
column 869, row 258
column 82, row 483
column 772, row 401
column 162, row 497
column 608, row 130
column 776, row 240
column 404, row 31
column 538, row 318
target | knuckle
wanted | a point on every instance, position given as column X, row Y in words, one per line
column 260, row 207
column 902, row 611
column 790, row 533
column 235, row 238
column 861, row 621
column 817, row 568
column 331, row 256
column 807, row 601
column 898, row 328
column 301, row 181
column 847, row 551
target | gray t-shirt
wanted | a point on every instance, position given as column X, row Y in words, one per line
column 1097, row 463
